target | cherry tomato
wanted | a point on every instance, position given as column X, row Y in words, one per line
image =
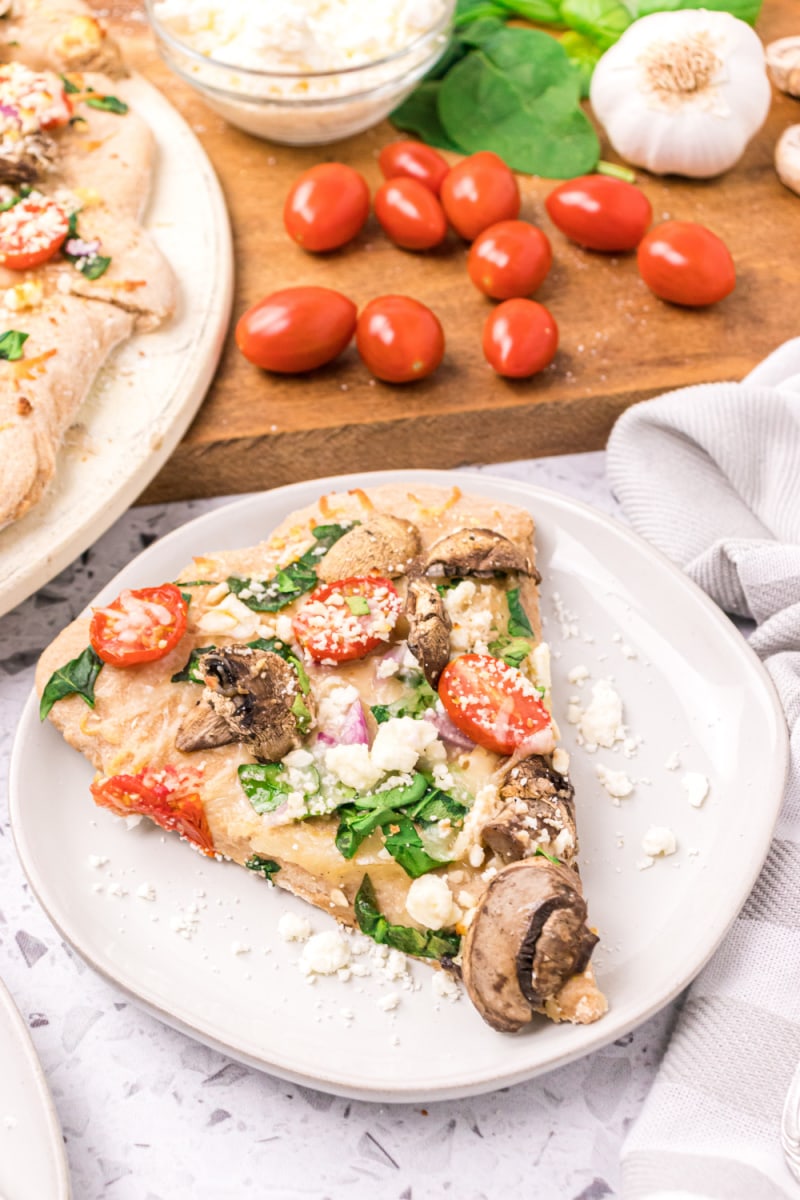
column 399, row 339
column 509, row 259
column 686, row 264
column 410, row 214
column 38, row 95
column 296, row 329
column 520, row 338
column 600, row 213
column 479, row 192
column 326, row 207
column 491, row 703
column 345, row 620
column 31, row 232
column 139, row 626
column 415, row 161
column 169, row 797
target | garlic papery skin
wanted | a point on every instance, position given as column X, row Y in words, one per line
column 783, row 64
column 682, row 93
column 787, row 158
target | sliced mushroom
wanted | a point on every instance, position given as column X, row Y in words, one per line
column 477, row 552
column 429, row 628
column 32, row 156
column 538, row 809
column 383, row 545
column 255, row 693
column 527, row 938
column 783, row 64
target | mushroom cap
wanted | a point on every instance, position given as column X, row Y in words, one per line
column 536, row 800
column 383, row 545
column 479, row 552
column 429, row 627
column 527, row 938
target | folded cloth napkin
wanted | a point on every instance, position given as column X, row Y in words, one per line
column 711, row 475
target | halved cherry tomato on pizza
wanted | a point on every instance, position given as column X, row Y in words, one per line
column 31, row 232
column 509, row 259
column 399, row 339
column 480, row 191
column 600, row 213
column 326, row 207
column 410, row 214
column 414, row 160
column 686, row 264
column 297, row 329
column 169, row 797
column 345, row 620
column 139, row 626
column 491, row 703
column 36, row 99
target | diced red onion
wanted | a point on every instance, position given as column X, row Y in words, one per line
column 354, row 731
column 449, row 732
column 78, row 248
column 325, row 739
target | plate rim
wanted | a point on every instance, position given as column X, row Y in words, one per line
column 617, row 1021
column 38, row 1078
column 23, row 582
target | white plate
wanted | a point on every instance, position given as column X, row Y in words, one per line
column 32, row 1160
column 695, row 687
column 149, row 390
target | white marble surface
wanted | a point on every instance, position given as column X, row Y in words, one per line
column 149, row 1114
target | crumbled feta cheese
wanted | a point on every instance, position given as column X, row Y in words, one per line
column 240, row 948
column 643, row 863
column 696, row 787
column 616, row 783
column 326, row 953
column 560, row 761
column 284, row 629
column 574, row 713
column 353, row 766
column 231, row 618
column 97, row 861
column 445, row 987
column 578, row 675
column 469, row 607
column 601, row 722
column 673, row 762
column 540, row 662
column 292, row 928
column 400, row 741
column 389, row 1002
column 430, row 902
column 387, row 667
column 659, row 841
column 628, row 651
column 476, row 856
column 298, row 759
column 564, row 842
column 395, row 966
column 116, row 889
column 146, row 891
column 630, row 747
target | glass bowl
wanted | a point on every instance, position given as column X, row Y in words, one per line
column 308, row 108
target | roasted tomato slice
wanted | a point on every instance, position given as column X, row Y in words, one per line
column 140, row 626
column 345, row 620
column 491, row 703
column 31, row 232
column 169, row 797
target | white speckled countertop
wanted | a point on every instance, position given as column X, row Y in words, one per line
column 149, row 1114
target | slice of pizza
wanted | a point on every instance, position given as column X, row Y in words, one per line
column 78, row 274
column 359, row 710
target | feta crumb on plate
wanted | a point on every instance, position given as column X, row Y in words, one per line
column 601, row 722
column 292, row 928
column 325, row 953
column 659, row 840
column 617, row 783
column 696, row 787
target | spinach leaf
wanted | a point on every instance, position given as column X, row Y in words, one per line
column 91, row 266
column 292, row 581
column 11, row 343
column 263, row 785
column 515, row 646
column 69, row 87
column 551, row 857
column 75, row 678
column 603, row 21
column 190, row 673
column 196, row 583
column 518, row 623
column 745, row 10
column 427, row 943
column 110, row 104
column 584, row 54
column 420, row 700
column 263, row 866
column 419, row 114
column 358, row 820
column 405, row 846
column 437, row 806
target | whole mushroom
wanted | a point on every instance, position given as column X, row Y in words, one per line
column 787, row 158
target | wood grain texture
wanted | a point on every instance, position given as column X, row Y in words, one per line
column 619, row 344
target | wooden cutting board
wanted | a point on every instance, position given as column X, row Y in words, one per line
column 619, row 344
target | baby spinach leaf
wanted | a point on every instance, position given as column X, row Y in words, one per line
column 11, row 343
column 419, row 114
column 405, row 846
column 263, row 785
column 292, row 581
column 745, row 10
column 427, row 943
column 190, row 673
column 358, row 820
column 75, row 678
column 437, row 805
column 110, row 104
column 539, row 12
column 263, row 866
column 584, row 54
column 604, row 21
column 419, row 700
column 518, row 623
column 513, row 651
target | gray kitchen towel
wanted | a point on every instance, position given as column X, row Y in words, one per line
column 711, row 475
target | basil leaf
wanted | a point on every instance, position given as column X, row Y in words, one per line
column 110, row 104
column 292, row 581
column 406, row 848
column 518, row 624
column 11, row 343
column 419, row 114
column 263, row 785
column 263, row 866
column 190, row 673
column 428, row 943
column 75, row 678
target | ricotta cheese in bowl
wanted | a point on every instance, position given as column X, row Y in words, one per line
column 303, row 72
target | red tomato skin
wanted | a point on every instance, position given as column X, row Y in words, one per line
column 414, row 160
column 686, row 264
column 399, row 339
column 165, row 796
column 106, row 643
column 600, row 213
column 326, row 207
column 297, row 329
column 520, row 338
column 24, row 260
column 355, row 641
column 478, row 192
column 502, row 708
column 410, row 214
column 509, row 259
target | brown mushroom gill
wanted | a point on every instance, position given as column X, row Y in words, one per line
column 249, row 697
column 383, row 545
column 537, row 805
column 527, row 938
column 26, row 160
column 481, row 553
column 429, row 628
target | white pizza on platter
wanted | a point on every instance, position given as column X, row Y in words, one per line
column 357, row 709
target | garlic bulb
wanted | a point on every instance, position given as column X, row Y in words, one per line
column 683, row 92
column 787, row 158
column 783, row 64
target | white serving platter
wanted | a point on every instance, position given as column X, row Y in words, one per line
column 693, row 687
column 147, row 393
column 33, row 1164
